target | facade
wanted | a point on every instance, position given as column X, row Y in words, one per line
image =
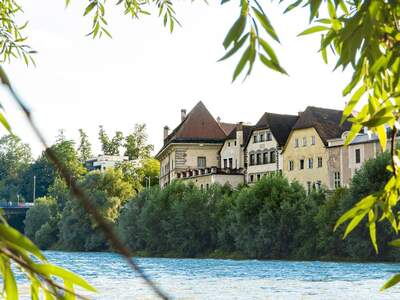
column 345, row 161
column 308, row 148
column 194, row 144
column 306, row 152
column 232, row 154
column 103, row 162
column 264, row 145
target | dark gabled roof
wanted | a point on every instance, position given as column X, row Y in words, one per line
column 280, row 126
column 198, row 126
column 246, row 133
column 227, row 127
column 325, row 121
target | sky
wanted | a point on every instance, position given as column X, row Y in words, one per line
column 145, row 74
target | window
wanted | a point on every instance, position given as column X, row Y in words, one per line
column 234, row 143
column 229, row 144
column 272, row 157
column 231, row 163
column 207, row 186
column 296, row 143
column 201, row 186
column 269, row 137
column 251, row 178
column 319, row 162
column 313, row 140
column 291, row 165
column 358, row 156
column 304, row 141
column 310, row 163
column 201, row 162
column 251, row 159
column 262, row 137
column 265, row 158
column 337, row 180
column 255, row 137
column 258, row 177
column 225, row 163
column 259, row 159
column 301, row 164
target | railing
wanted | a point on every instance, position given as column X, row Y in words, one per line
column 16, row 204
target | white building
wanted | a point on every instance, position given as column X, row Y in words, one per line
column 103, row 162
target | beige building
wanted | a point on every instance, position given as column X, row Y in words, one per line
column 344, row 161
column 232, row 152
column 194, row 144
column 306, row 153
column 264, row 145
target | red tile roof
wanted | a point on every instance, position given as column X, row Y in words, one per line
column 198, row 126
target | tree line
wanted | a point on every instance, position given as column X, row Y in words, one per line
column 18, row 168
column 273, row 219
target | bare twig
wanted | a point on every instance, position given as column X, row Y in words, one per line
column 81, row 195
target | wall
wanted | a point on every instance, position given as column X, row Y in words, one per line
column 305, row 152
column 179, row 157
column 222, row 179
column 230, row 150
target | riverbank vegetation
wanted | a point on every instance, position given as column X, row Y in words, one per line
column 273, row 219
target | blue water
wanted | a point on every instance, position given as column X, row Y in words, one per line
column 230, row 279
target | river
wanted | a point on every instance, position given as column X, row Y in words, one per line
column 230, row 279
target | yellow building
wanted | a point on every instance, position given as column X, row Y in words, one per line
column 306, row 154
column 194, row 144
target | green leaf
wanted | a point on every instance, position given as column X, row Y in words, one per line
column 314, row 29
column 235, row 48
column 235, row 32
column 9, row 281
column 394, row 243
column 242, row 63
column 262, row 18
column 355, row 221
column 4, row 122
column 50, row 269
column 90, row 7
column 14, row 236
column 292, row 6
column 391, row 282
column 372, row 229
column 353, row 102
column 355, row 129
column 268, row 49
column 270, row 64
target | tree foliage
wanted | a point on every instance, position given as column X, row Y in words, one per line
column 84, row 148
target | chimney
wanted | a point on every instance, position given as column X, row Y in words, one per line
column 166, row 132
column 239, row 133
column 183, row 114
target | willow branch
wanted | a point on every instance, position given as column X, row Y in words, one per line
column 81, row 195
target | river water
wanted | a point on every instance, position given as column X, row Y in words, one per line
column 230, row 279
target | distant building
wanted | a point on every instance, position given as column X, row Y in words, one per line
column 232, row 151
column 103, row 162
column 264, row 145
column 344, row 162
column 306, row 153
column 192, row 149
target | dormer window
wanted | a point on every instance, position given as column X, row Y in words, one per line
column 269, row 137
column 262, row 137
column 229, row 144
column 304, row 141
